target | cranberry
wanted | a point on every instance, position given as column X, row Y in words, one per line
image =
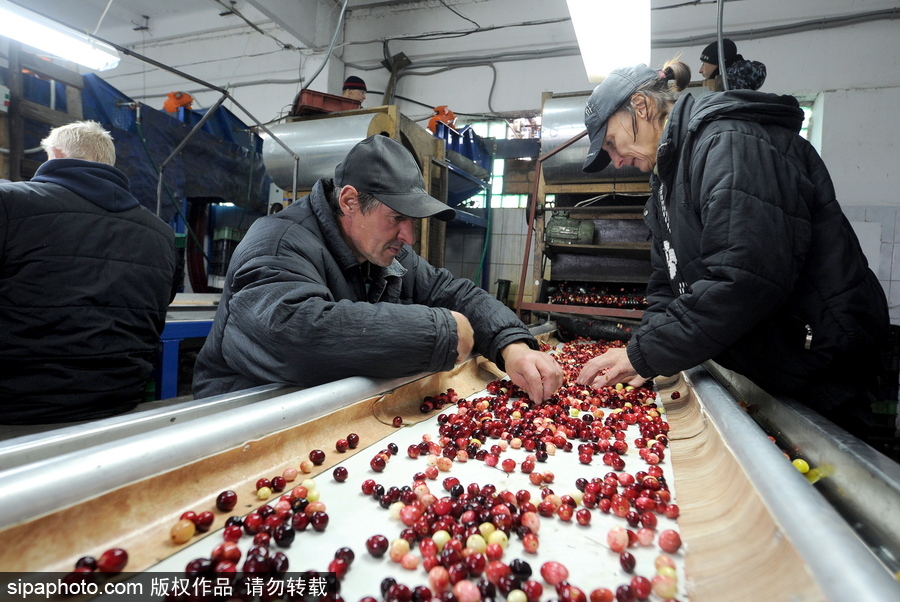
column 627, row 560
column 198, row 567
column 353, row 440
column 319, row 520
column 300, row 521
column 378, row 463
column 340, row 474
column 317, row 456
column 377, row 545
column 226, row 501
column 113, row 561
column 669, row 541
column 554, row 572
column 278, row 484
column 397, row 421
column 342, row 445
column 189, row 515
column 204, row 521
column 86, row 562
column 345, row 554
column 283, row 535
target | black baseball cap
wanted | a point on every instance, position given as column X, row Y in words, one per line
column 607, row 98
column 382, row 167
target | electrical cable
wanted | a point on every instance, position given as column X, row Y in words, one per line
column 337, row 30
column 723, row 71
column 456, row 12
column 102, row 16
column 232, row 9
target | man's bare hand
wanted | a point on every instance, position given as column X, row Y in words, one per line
column 618, row 370
column 534, row 371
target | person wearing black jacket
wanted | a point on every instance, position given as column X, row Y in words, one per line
column 755, row 265
column 86, row 277
column 330, row 288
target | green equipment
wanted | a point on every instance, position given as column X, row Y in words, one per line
column 561, row 230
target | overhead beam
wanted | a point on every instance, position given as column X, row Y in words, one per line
column 301, row 18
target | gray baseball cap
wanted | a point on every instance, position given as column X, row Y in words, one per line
column 384, row 168
column 607, row 98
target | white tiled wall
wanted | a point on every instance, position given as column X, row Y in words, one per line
column 504, row 262
column 878, row 229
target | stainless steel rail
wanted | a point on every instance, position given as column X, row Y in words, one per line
column 843, row 565
column 92, row 458
column 60, row 441
column 87, row 473
column 862, row 483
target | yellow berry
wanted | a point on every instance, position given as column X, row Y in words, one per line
column 263, row 493
column 182, row 531
column 801, row 465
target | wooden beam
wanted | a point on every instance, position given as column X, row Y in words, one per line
column 50, row 70
column 38, row 112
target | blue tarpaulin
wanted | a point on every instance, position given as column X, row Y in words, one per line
column 222, row 162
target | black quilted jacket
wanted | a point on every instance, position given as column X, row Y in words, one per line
column 295, row 310
column 755, row 265
column 86, row 277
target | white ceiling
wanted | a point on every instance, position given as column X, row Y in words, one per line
column 123, row 18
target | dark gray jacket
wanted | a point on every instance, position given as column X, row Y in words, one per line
column 86, row 277
column 755, row 264
column 295, row 310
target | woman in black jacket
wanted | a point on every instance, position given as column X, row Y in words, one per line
column 754, row 264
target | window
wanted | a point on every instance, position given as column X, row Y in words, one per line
column 807, row 118
column 504, row 129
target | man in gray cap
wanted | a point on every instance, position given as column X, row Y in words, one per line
column 330, row 288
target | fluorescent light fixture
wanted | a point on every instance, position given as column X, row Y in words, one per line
column 49, row 36
column 611, row 34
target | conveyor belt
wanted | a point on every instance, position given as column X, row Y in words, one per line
column 148, row 459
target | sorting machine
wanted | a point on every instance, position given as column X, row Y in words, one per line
column 753, row 527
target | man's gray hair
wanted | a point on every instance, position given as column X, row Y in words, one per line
column 82, row 140
column 367, row 202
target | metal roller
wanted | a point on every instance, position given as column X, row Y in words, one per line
column 561, row 119
column 321, row 145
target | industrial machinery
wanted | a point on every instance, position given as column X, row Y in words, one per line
column 322, row 141
column 593, row 259
column 753, row 527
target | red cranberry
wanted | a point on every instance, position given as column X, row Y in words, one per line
column 189, row 515
column 300, row 521
column 340, row 474
column 86, row 562
column 319, row 520
column 377, row 545
column 397, row 421
column 669, row 541
column 345, row 554
column 198, row 567
column 226, row 501
column 341, row 445
column 204, row 521
column 627, row 560
column 378, row 463
column 114, row 560
column 353, row 440
column 317, row 456
column 283, row 535
column 278, row 484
